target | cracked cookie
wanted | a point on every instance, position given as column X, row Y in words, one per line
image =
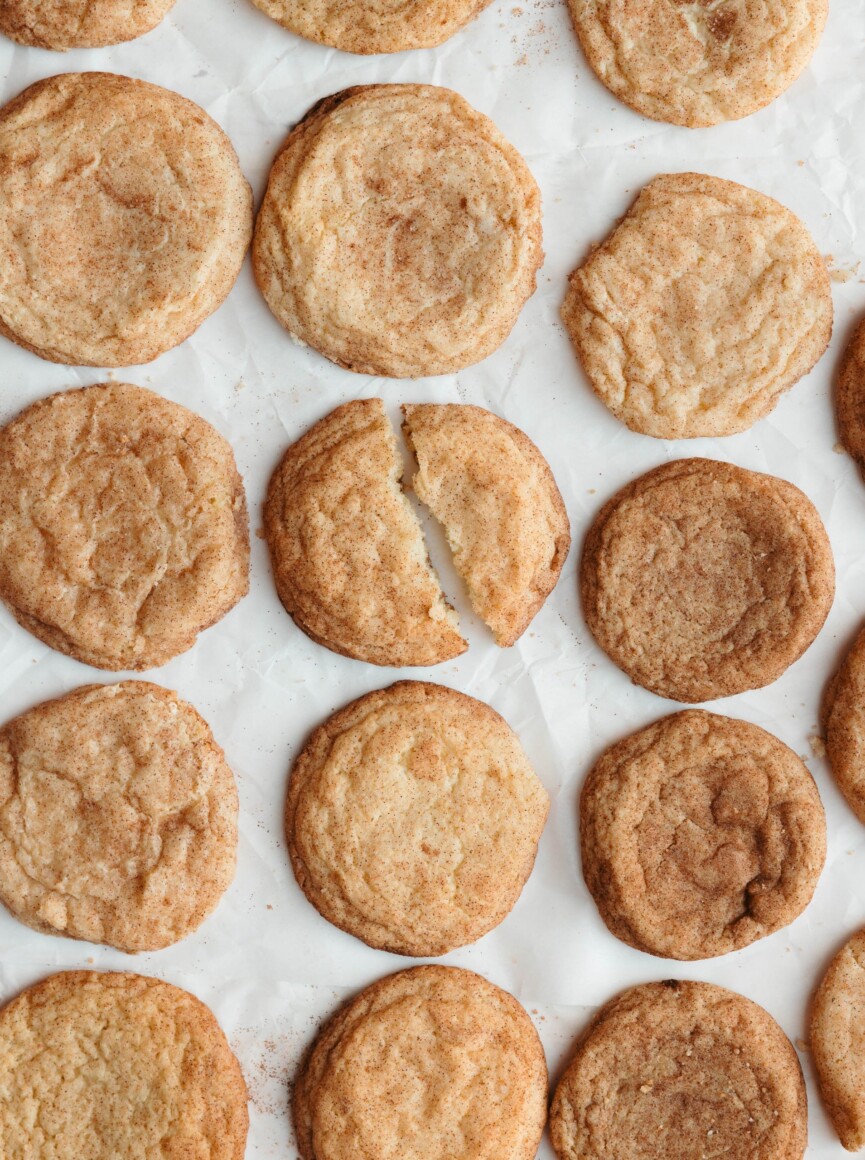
column 349, row 559
column 64, row 24
column 118, row 817
column 837, row 1033
column 843, row 714
column 679, row 1070
column 704, row 305
column 373, row 26
column 494, row 494
column 430, row 1062
column 153, row 187
column 700, row 579
column 699, row 835
column 123, row 527
column 117, row 1066
column 698, row 62
column 413, row 818
column 850, row 398
column 400, row 233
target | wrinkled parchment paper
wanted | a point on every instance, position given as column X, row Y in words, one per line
column 266, row 963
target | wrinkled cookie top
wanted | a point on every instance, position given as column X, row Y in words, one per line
column 118, row 817
column 429, row 1062
column 698, row 62
column 706, row 303
column 413, row 817
column 123, row 527
column 155, row 188
column 62, row 24
column 681, row 1070
column 844, row 725
column 117, row 1067
column 837, row 1041
column 400, row 233
column 850, row 397
column 701, row 579
column 699, row 835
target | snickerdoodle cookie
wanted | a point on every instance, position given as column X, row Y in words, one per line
column 844, row 726
column 701, row 579
column 400, row 233
column 430, row 1062
column 837, row 1040
column 62, row 24
column 124, row 219
column 679, row 1071
column 699, row 835
column 698, row 62
column 117, row 1067
column 850, row 397
column 118, row 817
column 123, row 527
column 705, row 304
column 373, row 26
column 348, row 553
column 493, row 492
column 413, row 818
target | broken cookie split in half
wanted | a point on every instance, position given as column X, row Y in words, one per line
column 348, row 553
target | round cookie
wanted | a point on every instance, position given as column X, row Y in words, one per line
column 117, row 1067
column 704, row 305
column 700, row 579
column 152, row 184
column 400, row 233
column 700, row 835
column 850, row 398
column 118, row 817
column 373, row 26
column 495, row 496
column 63, row 24
column 349, row 559
column 837, row 1035
column 430, row 1062
column 698, row 64
column 844, row 726
column 413, row 819
column 679, row 1070
column 123, row 526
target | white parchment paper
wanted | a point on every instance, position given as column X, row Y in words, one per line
column 267, row 964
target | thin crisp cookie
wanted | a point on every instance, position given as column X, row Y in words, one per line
column 837, row 1035
column 64, row 24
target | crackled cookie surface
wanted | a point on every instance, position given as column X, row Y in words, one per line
column 698, row 62
column 400, row 233
column 62, row 24
column 373, row 26
column 117, row 1067
column 850, row 397
column 348, row 554
column 155, row 188
column 700, row 579
column 413, row 818
column 494, row 494
column 430, row 1062
column 123, row 527
column 699, row 835
column 706, row 303
column 837, row 1041
column 118, row 817
column 844, row 726
column 681, row 1070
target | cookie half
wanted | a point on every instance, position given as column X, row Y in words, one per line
column 400, row 233
column 348, row 554
column 701, row 579
column 850, row 398
column 413, row 818
column 373, row 26
column 836, row 1037
column 679, row 1070
column 700, row 835
column 123, row 526
column 706, row 303
column 152, row 184
column 64, row 24
column 118, row 817
column 844, row 726
column 698, row 64
column 494, row 494
column 104, row 1066
column 430, row 1062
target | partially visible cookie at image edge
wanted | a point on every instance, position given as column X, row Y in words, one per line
column 64, row 24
